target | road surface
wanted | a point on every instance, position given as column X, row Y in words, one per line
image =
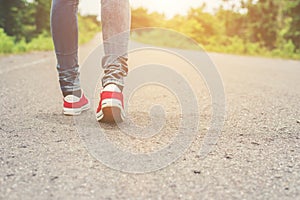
column 257, row 156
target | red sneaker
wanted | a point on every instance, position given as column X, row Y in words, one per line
column 111, row 107
column 74, row 105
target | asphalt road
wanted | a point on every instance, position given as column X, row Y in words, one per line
column 257, row 156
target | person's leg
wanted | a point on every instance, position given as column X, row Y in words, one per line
column 64, row 30
column 115, row 15
column 115, row 18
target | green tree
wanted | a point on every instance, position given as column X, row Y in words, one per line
column 294, row 29
column 202, row 26
column 17, row 18
column 142, row 18
column 42, row 15
column 232, row 21
column 262, row 22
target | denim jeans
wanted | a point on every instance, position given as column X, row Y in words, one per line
column 115, row 18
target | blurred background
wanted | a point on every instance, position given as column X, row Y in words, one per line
column 252, row 27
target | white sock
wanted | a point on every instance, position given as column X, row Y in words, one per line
column 111, row 88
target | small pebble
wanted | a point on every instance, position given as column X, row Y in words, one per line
column 255, row 143
column 53, row 178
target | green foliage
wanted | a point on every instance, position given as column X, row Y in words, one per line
column 160, row 37
column 256, row 27
column 6, row 42
column 261, row 27
column 9, row 45
column 262, row 22
column 89, row 27
column 16, row 18
column 141, row 19
column 233, row 22
column 25, row 26
column 294, row 29
column 41, row 15
column 40, row 43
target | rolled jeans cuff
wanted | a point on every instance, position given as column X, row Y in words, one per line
column 69, row 78
column 115, row 69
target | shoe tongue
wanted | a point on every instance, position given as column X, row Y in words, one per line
column 111, row 88
column 72, row 98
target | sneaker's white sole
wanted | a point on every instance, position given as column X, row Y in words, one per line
column 76, row 111
column 112, row 111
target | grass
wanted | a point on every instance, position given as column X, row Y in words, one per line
column 43, row 42
column 158, row 37
column 221, row 44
